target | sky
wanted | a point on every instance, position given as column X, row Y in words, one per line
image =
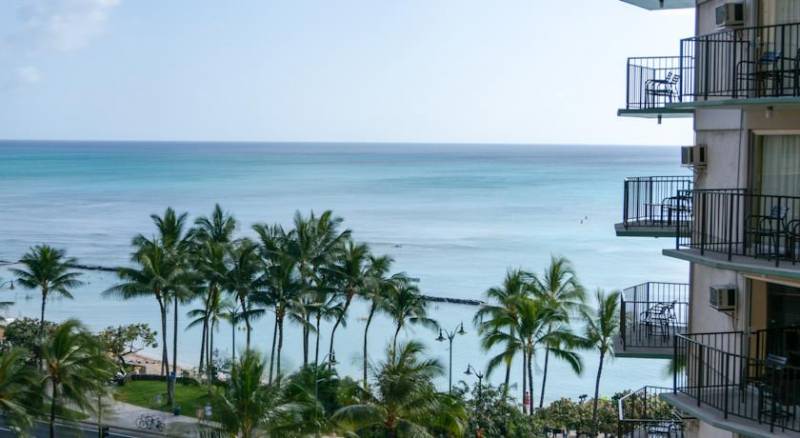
column 477, row 71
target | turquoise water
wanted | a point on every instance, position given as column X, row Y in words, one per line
column 455, row 216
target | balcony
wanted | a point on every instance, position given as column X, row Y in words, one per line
column 736, row 230
column 653, row 83
column 655, row 206
column 744, row 66
column 651, row 314
column 654, row 5
column 642, row 413
column 748, row 385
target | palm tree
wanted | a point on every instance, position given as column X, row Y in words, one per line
column 177, row 244
column 560, row 286
column 209, row 260
column 248, row 408
column 405, row 401
column 156, row 275
column 377, row 290
column 244, row 281
column 211, row 235
column 232, row 314
column 499, row 315
column 406, row 305
column 75, row 370
column 17, row 394
column 49, row 270
column 602, row 325
column 354, row 269
column 314, row 241
column 536, row 325
column 211, row 313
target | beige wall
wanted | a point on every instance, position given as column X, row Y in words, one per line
column 704, row 318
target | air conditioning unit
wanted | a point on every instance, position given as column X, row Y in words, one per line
column 693, row 156
column 730, row 14
column 722, row 297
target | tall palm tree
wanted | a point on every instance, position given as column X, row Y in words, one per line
column 354, row 269
column 559, row 286
column 18, row 396
column 602, row 325
column 75, row 370
column 210, row 263
column 155, row 275
column 499, row 314
column 211, row 234
column 232, row 314
column 49, row 270
column 405, row 401
column 176, row 241
column 211, row 313
column 536, row 325
column 315, row 241
column 376, row 291
column 244, row 281
column 406, row 305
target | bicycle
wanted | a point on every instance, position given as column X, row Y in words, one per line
column 150, row 422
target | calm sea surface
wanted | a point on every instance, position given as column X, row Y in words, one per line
column 455, row 216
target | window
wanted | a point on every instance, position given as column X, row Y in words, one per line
column 776, row 165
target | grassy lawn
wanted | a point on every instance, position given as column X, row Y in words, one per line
column 143, row 393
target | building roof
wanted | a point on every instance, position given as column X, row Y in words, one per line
column 655, row 5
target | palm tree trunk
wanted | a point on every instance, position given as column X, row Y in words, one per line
column 530, row 379
column 280, row 347
column 544, row 376
column 597, row 393
column 394, row 340
column 339, row 321
column 41, row 319
column 211, row 348
column 316, row 352
column 306, row 323
column 507, row 380
column 366, row 332
column 175, row 339
column 524, row 380
column 201, row 367
column 246, row 321
column 164, row 348
column 272, row 351
column 53, row 402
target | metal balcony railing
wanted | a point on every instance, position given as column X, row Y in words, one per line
column 643, row 413
column 656, row 81
column 734, row 222
column 652, row 313
column 740, row 376
column 751, row 62
column 656, row 201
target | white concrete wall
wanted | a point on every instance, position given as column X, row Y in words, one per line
column 705, row 318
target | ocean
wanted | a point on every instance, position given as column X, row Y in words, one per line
column 456, row 216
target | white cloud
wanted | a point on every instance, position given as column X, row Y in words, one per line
column 63, row 25
column 28, row 75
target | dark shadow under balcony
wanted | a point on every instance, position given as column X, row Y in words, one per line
column 651, row 314
column 655, row 206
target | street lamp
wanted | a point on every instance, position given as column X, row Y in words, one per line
column 470, row 371
column 450, row 335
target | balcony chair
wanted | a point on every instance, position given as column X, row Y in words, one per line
column 664, row 88
column 774, row 393
column 660, row 319
column 769, row 66
column 771, row 227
